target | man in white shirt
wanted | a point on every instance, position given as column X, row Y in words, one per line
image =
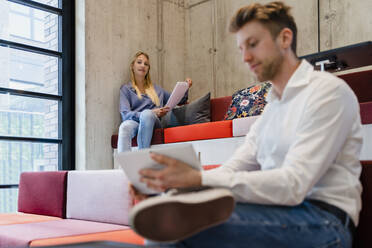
column 296, row 177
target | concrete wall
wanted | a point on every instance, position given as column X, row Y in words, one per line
column 108, row 34
column 173, row 43
column 183, row 38
column 114, row 31
column 344, row 22
column 214, row 61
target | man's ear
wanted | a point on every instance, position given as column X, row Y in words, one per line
column 285, row 38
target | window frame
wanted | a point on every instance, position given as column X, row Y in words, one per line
column 66, row 82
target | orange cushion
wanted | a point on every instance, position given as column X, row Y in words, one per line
column 202, row 131
column 22, row 218
column 211, row 166
column 125, row 236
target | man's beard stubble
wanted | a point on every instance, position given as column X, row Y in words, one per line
column 270, row 67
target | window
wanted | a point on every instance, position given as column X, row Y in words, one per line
column 36, row 91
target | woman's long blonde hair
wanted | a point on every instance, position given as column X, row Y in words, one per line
column 149, row 87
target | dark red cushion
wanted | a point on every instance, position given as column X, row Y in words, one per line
column 157, row 138
column 219, row 107
column 360, row 83
column 363, row 237
column 366, row 112
column 43, row 193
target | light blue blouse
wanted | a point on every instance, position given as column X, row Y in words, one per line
column 131, row 106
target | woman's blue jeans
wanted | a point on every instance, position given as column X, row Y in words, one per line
column 143, row 129
column 258, row 226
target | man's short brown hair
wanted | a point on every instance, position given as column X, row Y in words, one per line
column 275, row 16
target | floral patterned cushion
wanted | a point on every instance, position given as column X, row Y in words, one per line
column 248, row 102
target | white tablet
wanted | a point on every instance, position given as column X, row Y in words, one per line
column 177, row 94
column 133, row 161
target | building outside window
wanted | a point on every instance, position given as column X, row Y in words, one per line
column 36, row 106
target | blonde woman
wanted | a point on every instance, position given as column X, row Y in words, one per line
column 141, row 105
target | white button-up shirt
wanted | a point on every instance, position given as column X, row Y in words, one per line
column 306, row 144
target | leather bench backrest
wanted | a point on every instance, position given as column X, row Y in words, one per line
column 43, row 193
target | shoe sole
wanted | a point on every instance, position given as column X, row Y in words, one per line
column 173, row 218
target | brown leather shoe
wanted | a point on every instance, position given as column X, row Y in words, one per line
column 169, row 218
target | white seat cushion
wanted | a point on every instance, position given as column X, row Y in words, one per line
column 98, row 195
column 241, row 126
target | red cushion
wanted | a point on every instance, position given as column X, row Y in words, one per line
column 202, row 131
column 366, row 112
column 157, row 138
column 43, row 193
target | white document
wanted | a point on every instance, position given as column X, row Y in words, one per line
column 133, row 161
column 177, row 94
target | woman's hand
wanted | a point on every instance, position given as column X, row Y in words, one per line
column 159, row 112
column 136, row 195
column 189, row 81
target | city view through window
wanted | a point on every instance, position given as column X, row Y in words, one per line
column 27, row 115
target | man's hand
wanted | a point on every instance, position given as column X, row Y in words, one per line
column 135, row 194
column 159, row 112
column 175, row 174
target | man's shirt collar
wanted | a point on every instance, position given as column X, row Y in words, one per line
column 299, row 78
